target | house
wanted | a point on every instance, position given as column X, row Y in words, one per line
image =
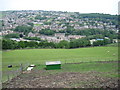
column 30, row 34
column 15, row 39
column 0, row 33
column 93, row 40
column 99, row 39
column 19, row 39
column 106, row 37
column 75, row 36
column 59, row 35
column 115, row 41
column 7, row 32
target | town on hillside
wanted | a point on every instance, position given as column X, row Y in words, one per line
column 56, row 26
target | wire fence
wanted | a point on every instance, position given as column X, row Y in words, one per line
column 14, row 71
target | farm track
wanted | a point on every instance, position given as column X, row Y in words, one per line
column 46, row 79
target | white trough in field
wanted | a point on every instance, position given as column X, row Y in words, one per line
column 30, row 67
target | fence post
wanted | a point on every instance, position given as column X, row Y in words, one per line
column 17, row 72
column 21, row 67
column 8, row 77
column 14, row 74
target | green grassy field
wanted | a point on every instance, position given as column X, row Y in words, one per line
column 107, row 69
column 113, row 45
column 40, row 56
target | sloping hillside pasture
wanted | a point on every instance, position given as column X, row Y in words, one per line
column 86, row 59
column 40, row 56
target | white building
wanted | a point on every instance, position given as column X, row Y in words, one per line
column 115, row 40
column 93, row 40
column 75, row 36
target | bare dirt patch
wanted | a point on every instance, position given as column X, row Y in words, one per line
column 41, row 79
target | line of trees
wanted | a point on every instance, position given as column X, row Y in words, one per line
column 76, row 43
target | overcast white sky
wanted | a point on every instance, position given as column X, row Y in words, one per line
column 82, row 6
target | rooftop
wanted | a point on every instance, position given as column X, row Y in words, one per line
column 53, row 63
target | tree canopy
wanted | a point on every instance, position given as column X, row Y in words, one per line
column 24, row 28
